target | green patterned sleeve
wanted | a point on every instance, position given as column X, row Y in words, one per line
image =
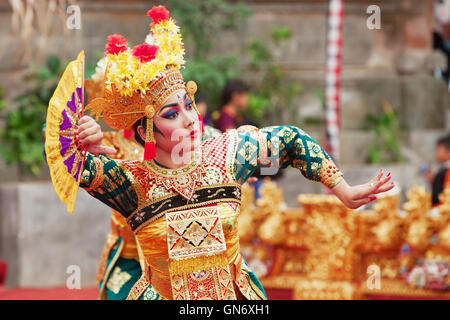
column 105, row 179
column 278, row 147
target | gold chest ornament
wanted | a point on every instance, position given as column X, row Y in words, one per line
column 197, row 255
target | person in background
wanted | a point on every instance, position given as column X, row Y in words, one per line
column 441, row 33
column 202, row 107
column 234, row 100
column 208, row 130
column 442, row 178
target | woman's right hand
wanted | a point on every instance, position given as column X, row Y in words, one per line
column 90, row 134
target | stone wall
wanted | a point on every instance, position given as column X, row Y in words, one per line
column 39, row 239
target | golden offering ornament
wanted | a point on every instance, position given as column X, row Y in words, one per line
column 191, row 87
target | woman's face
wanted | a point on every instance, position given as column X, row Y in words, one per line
column 177, row 125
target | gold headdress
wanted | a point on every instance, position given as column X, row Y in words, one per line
column 138, row 81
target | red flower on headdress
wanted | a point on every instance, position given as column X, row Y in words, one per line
column 145, row 52
column 116, row 43
column 158, row 14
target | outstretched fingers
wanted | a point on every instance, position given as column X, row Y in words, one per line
column 377, row 183
column 385, row 187
column 367, row 188
column 360, row 202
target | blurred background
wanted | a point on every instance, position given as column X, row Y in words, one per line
column 385, row 61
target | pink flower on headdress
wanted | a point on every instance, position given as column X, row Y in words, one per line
column 116, row 43
column 158, row 14
column 145, row 52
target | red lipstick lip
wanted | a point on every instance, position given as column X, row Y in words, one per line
column 193, row 133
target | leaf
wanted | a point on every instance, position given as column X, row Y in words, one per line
column 44, row 73
column 280, row 34
column 53, row 64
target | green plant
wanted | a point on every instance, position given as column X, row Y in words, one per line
column 276, row 94
column 2, row 100
column 201, row 23
column 386, row 146
column 21, row 135
column 211, row 75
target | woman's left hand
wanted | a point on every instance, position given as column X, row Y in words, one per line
column 356, row 196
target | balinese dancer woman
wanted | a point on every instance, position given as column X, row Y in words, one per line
column 183, row 201
column 121, row 263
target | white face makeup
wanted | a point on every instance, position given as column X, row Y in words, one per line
column 175, row 125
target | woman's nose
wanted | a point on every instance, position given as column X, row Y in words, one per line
column 188, row 120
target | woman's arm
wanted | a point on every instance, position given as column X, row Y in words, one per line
column 288, row 145
column 102, row 177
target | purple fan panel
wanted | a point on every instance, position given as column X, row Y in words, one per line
column 71, row 104
column 78, row 171
column 80, row 95
column 65, row 144
column 66, row 124
column 69, row 162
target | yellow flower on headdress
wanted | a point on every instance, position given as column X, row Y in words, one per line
column 130, row 70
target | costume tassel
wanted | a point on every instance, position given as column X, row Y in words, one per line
column 149, row 148
column 187, row 266
column 149, row 151
column 200, row 120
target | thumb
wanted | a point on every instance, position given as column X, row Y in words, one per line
column 101, row 149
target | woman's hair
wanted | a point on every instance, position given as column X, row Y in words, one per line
column 444, row 141
column 231, row 87
column 142, row 122
column 198, row 97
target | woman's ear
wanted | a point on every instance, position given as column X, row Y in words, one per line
column 141, row 132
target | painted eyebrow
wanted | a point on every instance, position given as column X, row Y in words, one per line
column 172, row 104
column 168, row 106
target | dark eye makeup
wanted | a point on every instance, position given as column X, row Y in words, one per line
column 172, row 113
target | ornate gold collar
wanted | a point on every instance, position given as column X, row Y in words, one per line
column 182, row 180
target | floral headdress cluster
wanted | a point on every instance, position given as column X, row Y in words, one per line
column 131, row 69
column 137, row 81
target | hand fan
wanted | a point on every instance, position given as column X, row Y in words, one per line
column 64, row 155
